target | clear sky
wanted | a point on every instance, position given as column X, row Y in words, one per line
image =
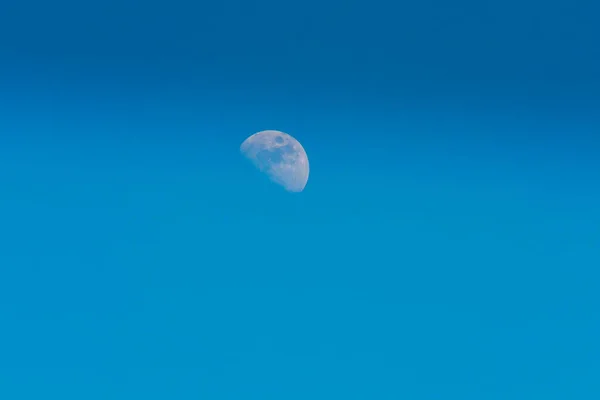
column 447, row 245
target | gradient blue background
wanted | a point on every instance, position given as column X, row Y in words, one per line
column 446, row 245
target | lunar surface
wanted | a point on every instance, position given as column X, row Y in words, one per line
column 278, row 155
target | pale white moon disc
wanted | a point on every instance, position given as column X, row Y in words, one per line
column 278, row 155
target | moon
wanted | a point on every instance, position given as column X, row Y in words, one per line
column 280, row 156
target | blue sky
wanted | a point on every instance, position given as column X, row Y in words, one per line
column 446, row 245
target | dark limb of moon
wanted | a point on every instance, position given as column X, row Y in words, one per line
column 281, row 157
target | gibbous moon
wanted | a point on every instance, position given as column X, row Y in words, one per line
column 278, row 155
